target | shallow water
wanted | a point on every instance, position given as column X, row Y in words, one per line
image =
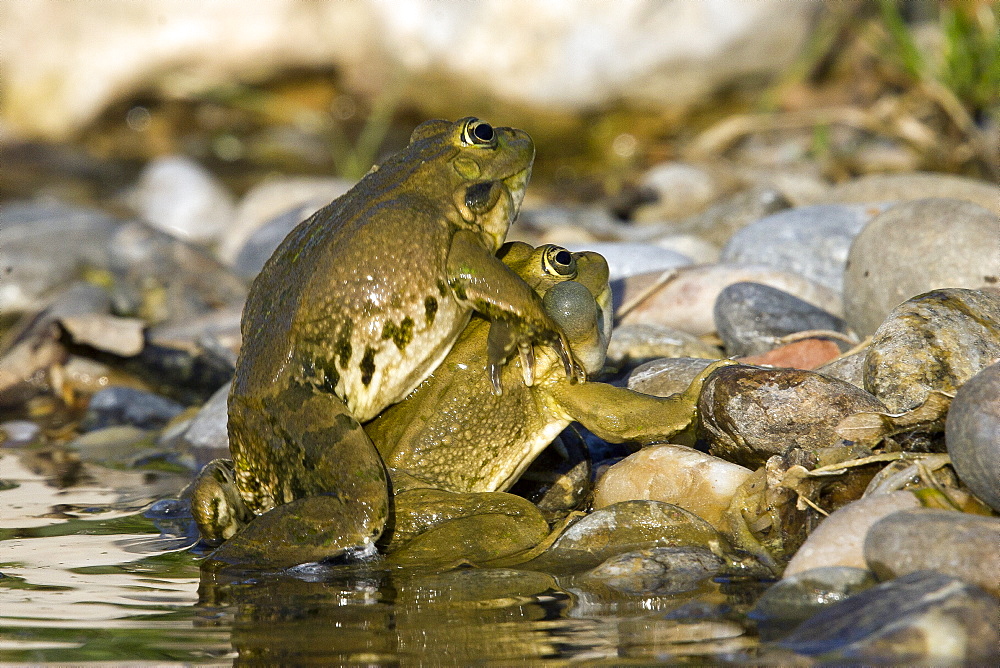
column 87, row 577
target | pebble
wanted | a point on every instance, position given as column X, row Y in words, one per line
column 751, row 318
column 915, row 247
column 565, row 224
column 797, row 597
column 179, row 196
column 972, row 433
column 18, row 433
column 935, row 341
column 963, row 545
column 43, row 245
column 271, row 199
column 750, row 413
column 686, row 299
column 679, row 189
column 692, row 480
column 690, row 246
column 722, row 220
column 806, row 354
column 906, row 187
column 630, row 258
column 632, row 345
column 923, row 617
column 848, row 368
column 128, row 406
column 663, row 377
column 207, row 436
column 839, row 539
column 249, row 258
column 811, row 241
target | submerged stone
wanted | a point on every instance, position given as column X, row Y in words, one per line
column 923, row 617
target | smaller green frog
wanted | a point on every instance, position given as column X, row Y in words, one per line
column 458, row 433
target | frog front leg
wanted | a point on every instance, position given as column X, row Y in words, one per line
column 617, row 414
column 486, row 284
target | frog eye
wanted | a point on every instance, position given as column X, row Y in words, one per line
column 558, row 261
column 479, row 133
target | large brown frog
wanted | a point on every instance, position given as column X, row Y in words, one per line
column 356, row 306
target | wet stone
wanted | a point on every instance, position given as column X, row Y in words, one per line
column 676, row 474
column 751, row 318
column 959, row 544
column 797, row 597
column 935, row 341
column 922, row 617
column 129, row 406
column 811, row 241
column 972, row 433
column 663, row 377
column 915, row 247
column 206, row 436
column 657, row 571
column 750, row 413
column 625, row 527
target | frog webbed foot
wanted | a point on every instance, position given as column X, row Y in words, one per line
column 506, row 338
column 216, row 504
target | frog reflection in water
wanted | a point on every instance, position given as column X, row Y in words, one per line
column 356, row 306
column 465, row 430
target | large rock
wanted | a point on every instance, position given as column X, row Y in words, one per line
column 62, row 63
column 812, row 241
column 908, row 187
column 962, row 545
column 915, row 247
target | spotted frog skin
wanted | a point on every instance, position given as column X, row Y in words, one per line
column 455, row 432
column 358, row 305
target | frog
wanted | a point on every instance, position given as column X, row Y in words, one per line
column 456, row 432
column 358, row 304
column 459, row 434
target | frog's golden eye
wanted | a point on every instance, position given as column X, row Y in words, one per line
column 479, row 133
column 558, row 261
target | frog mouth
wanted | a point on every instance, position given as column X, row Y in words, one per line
column 516, row 184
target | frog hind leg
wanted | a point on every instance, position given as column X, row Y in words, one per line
column 298, row 443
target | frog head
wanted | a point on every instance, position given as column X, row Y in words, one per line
column 484, row 168
column 575, row 293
